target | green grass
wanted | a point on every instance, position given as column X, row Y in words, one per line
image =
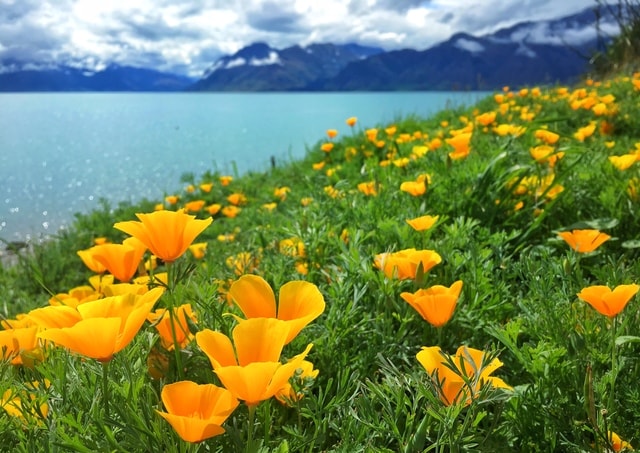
column 518, row 301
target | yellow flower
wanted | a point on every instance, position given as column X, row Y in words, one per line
column 213, row 209
column 161, row 320
column 87, row 258
column 368, row 188
column 546, row 136
column 251, row 371
column 14, row 343
column 326, row 147
column 167, row 234
column 225, row 180
column 206, row 187
column 281, row 192
column 415, row 188
column 242, row 263
column 584, row 241
column 287, row 394
column 237, row 199
column 436, row 304
column 292, row 247
column 194, row 206
column 404, row 264
column 486, row 119
column 460, row 144
column 118, row 319
column 351, row 121
column 299, row 302
column 623, row 162
column 606, row 301
column 423, row 223
column 616, row 442
column 121, row 260
column 468, row 362
column 198, row 250
column 196, row 411
column 585, row 132
column 231, row 211
column 332, row 133
column 172, row 199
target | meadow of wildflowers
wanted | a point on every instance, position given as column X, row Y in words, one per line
column 465, row 282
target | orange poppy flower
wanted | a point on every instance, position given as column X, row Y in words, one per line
column 351, row 121
column 327, row 147
column 469, row 362
column 584, row 241
column 118, row 319
column 287, row 394
column 237, row 199
column 213, row 209
column 252, row 371
column 15, row 342
column 415, row 188
column 194, row 206
column 206, row 187
column 623, row 162
column 368, row 188
column 617, row 443
column 606, row 301
column 161, row 320
column 460, row 144
column 423, row 223
column 332, row 133
column 195, row 411
column 231, row 211
column 404, row 264
column 435, row 304
column 546, row 136
column 198, row 250
column 225, row 180
column 167, row 234
column 121, row 260
column 87, row 258
column 299, row 302
column 54, row 316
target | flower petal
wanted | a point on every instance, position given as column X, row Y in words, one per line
column 259, row 340
column 254, row 296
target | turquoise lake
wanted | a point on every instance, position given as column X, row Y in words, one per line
column 61, row 152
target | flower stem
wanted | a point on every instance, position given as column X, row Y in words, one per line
column 176, row 344
column 172, row 317
column 252, row 412
column 614, row 365
column 105, row 386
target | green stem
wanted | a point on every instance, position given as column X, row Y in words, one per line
column 176, row 346
column 614, row 366
column 105, row 386
column 172, row 321
column 252, row 412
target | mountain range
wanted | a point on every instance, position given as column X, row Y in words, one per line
column 529, row 53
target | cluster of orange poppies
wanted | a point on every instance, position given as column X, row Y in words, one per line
column 457, row 378
column 248, row 364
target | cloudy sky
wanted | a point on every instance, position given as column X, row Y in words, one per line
column 187, row 36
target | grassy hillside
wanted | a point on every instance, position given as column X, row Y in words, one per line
column 551, row 330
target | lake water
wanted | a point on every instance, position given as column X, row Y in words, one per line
column 61, row 152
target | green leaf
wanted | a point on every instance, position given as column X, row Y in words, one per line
column 627, row 339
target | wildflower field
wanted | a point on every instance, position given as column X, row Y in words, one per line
column 465, row 282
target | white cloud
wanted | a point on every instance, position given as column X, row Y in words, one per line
column 188, row 36
column 273, row 58
column 469, row 45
